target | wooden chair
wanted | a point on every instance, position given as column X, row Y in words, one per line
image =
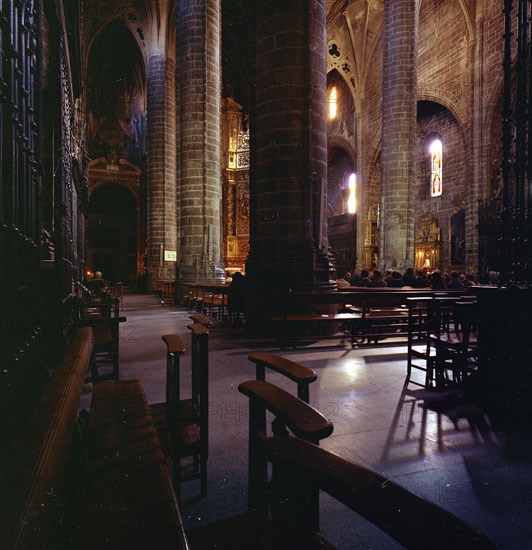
column 455, row 342
column 102, row 314
column 420, row 353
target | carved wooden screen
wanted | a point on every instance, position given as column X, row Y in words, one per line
column 19, row 239
column 19, row 227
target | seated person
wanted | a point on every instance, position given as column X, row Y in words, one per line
column 409, row 277
column 236, row 294
column 377, row 280
column 396, row 281
column 437, row 282
column 343, row 282
column 455, row 281
column 97, row 284
column 360, row 280
column 420, row 281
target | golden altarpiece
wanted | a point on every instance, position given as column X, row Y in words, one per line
column 235, row 183
column 372, row 238
column 427, row 244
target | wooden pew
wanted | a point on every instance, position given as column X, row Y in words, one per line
column 406, row 517
column 130, row 501
column 33, row 496
column 300, row 468
column 300, row 418
column 365, row 314
column 112, row 491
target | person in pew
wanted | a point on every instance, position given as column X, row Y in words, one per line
column 236, row 295
column 377, row 280
column 455, row 281
column 437, row 282
column 97, row 284
column 396, row 281
column 409, row 277
column 467, row 280
column 361, row 279
column 343, row 282
column 420, row 280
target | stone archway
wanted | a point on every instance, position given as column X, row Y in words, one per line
column 112, row 242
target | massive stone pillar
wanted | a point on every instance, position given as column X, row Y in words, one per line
column 161, row 159
column 399, row 133
column 199, row 191
column 288, row 239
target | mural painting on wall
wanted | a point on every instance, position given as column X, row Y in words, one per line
column 457, row 237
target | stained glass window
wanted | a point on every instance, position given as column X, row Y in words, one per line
column 436, row 168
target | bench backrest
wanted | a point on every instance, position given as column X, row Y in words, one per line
column 42, row 449
column 406, row 517
column 307, row 302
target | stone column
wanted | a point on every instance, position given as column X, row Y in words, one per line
column 161, row 167
column 288, row 239
column 199, row 192
column 399, row 106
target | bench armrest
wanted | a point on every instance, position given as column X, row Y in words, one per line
column 302, row 419
column 174, row 344
column 300, row 374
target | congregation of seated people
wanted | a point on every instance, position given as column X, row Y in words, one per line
column 421, row 278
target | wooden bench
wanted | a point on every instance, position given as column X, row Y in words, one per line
column 406, row 517
column 61, row 493
column 301, row 468
column 289, row 411
column 363, row 314
column 377, row 323
column 35, row 491
column 130, row 501
column 289, row 329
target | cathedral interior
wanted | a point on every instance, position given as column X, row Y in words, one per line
column 184, row 140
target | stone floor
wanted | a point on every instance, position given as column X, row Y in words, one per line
column 380, row 421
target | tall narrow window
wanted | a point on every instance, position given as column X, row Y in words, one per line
column 436, row 168
column 351, row 201
column 333, row 103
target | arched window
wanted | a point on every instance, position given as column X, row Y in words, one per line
column 436, row 183
column 333, row 103
column 351, row 200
